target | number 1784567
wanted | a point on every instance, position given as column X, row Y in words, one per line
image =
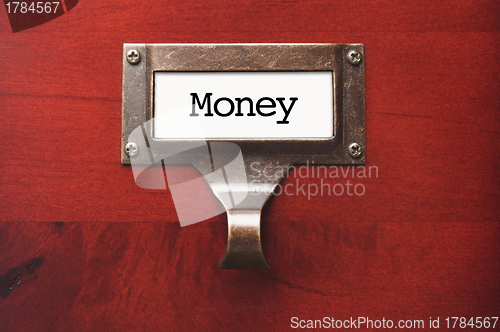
column 478, row 322
column 32, row 7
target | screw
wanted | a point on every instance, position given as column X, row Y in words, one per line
column 355, row 150
column 354, row 57
column 131, row 149
column 133, row 57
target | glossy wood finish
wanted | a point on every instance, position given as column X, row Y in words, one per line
column 422, row 241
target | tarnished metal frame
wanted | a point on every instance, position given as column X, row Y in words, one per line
column 244, row 249
column 348, row 84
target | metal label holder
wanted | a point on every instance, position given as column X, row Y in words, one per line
column 345, row 147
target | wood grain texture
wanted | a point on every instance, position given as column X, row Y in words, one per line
column 422, row 241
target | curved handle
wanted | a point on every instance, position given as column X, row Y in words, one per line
column 244, row 249
column 243, row 193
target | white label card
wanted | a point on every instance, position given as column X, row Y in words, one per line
column 243, row 105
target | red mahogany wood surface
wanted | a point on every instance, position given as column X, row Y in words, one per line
column 82, row 248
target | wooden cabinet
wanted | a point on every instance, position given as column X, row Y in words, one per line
column 84, row 249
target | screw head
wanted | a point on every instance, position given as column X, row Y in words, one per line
column 131, row 149
column 354, row 57
column 133, row 57
column 355, row 150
